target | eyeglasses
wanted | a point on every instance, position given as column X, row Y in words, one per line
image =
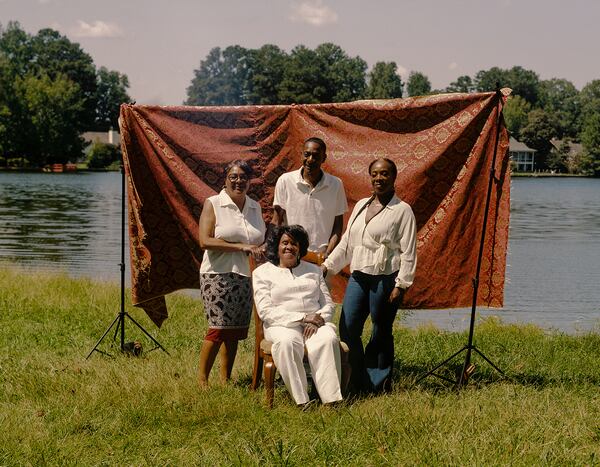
column 235, row 178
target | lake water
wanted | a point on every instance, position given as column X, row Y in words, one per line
column 71, row 222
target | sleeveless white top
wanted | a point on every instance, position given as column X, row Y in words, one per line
column 235, row 226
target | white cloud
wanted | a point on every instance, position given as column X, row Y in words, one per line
column 453, row 66
column 98, row 29
column 313, row 12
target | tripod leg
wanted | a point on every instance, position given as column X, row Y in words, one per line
column 489, row 361
column 431, row 372
column 119, row 324
column 104, row 335
column 147, row 333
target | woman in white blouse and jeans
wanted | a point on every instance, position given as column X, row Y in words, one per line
column 295, row 307
column 380, row 246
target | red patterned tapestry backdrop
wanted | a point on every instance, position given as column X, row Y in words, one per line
column 443, row 146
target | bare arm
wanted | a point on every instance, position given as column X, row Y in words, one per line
column 279, row 217
column 207, row 233
column 336, row 234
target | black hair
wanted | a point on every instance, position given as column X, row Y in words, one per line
column 297, row 232
column 240, row 164
column 390, row 162
column 318, row 141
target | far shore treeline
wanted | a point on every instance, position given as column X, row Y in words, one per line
column 51, row 92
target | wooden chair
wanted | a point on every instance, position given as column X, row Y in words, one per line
column 264, row 358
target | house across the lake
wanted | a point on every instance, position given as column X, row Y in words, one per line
column 108, row 137
column 522, row 156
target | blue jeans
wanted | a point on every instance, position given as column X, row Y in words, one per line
column 366, row 295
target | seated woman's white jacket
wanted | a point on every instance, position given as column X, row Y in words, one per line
column 283, row 296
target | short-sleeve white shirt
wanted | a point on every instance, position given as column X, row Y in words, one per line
column 314, row 208
column 235, row 226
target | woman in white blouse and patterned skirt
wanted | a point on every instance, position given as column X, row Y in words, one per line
column 380, row 246
column 231, row 228
column 295, row 307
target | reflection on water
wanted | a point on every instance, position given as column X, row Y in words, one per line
column 553, row 263
column 72, row 222
column 62, row 221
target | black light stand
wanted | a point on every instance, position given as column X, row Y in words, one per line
column 468, row 367
column 119, row 321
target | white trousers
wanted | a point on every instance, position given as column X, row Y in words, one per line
column 323, row 351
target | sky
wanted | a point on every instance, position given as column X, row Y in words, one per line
column 159, row 43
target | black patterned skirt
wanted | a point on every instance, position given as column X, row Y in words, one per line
column 227, row 301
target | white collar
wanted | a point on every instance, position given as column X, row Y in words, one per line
column 325, row 179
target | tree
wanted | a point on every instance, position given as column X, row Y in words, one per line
column 561, row 98
column 524, row 83
column 515, row 113
column 590, row 98
column 384, row 81
column 558, row 159
column 590, row 138
column 111, row 93
column 5, row 113
column 102, row 155
column 265, row 73
column 53, row 106
column 462, row 84
column 538, row 132
column 487, row 80
column 55, row 55
column 418, row 84
column 303, row 81
column 222, row 78
column 344, row 77
column 326, row 74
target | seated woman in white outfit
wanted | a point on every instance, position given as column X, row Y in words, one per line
column 295, row 307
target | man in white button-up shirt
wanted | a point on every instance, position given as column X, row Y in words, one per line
column 312, row 198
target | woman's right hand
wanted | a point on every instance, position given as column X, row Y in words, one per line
column 324, row 270
column 309, row 330
column 254, row 250
column 314, row 318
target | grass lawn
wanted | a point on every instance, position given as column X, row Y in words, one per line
column 56, row 408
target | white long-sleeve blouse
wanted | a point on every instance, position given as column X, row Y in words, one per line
column 283, row 296
column 384, row 245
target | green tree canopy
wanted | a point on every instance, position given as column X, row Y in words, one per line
column 56, row 55
column 516, row 112
column 303, row 78
column 102, row 155
column 344, row 75
column 590, row 138
column 561, row 98
column 384, row 81
column 222, row 78
column 524, row 83
column 50, row 93
column 53, row 105
column 266, row 68
column 268, row 75
column 540, row 129
column 462, row 84
column 111, row 93
column 418, row 84
column 590, row 98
